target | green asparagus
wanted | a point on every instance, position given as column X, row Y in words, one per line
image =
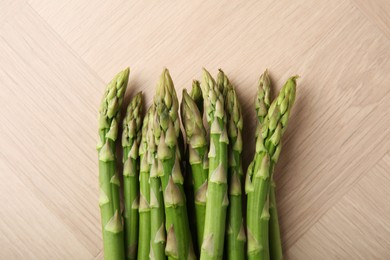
column 158, row 235
column 284, row 103
column 235, row 240
column 166, row 131
column 260, row 171
column 217, row 196
column 144, row 198
column 275, row 242
column 255, row 186
column 109, row 116
column 197, row 153
column 131, row 135
column 185, row 194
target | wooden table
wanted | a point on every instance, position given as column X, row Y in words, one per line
column 56, row 57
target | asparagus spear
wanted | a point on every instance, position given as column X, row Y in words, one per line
column 158, row 237
column 131, row 135
column 167, row 131
column 197, row 153
column 260, row 171
column 235, row 240
column 109, row 116
column 217, row 197
column 285, row 100
column 144, row 199
column 255, row 202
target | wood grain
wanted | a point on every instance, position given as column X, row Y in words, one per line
column 378, row 12
column 355, row 223
column 57, row 56
column 49, row 99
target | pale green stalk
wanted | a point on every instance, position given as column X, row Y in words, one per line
column 275, row 241
column 256, row 186
column 109, row 117
column 131, row 137
column 236, row 238
column 257, row 206
column 166, row 131
column 217, row 196
column 157, row 225
column 285, row 101
column 144, row 199
column 197, row 158
column 260, row 171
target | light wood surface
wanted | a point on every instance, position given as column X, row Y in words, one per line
column 333, row 177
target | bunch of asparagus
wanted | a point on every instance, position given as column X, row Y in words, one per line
column 183, row 194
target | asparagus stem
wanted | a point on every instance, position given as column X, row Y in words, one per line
column 157, row 227
column 166, row 132
column 255, row 186
column 144, row 199
column 268, row 148
column 217, row 197
column 131, row 135
column 158, row 237
column 109, row 116
column 275, row 242
column 235, row 240
column 257, row 191
column 189, row 188
column 284, row 102
column 197, row 158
